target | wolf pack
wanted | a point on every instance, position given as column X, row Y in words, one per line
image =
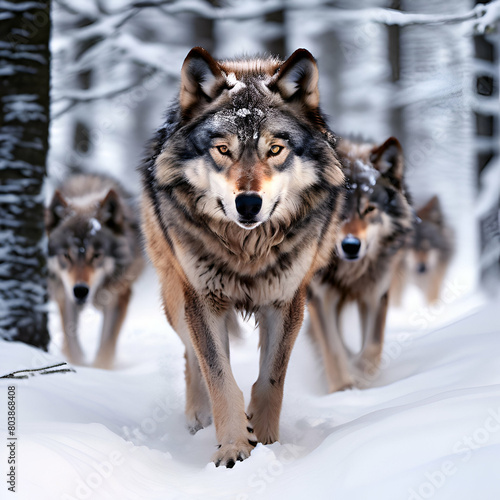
column 250, row 204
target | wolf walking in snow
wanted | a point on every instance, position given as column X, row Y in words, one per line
column 242, row 195
column 94, row 257
column 376, row 226
column 430, row 251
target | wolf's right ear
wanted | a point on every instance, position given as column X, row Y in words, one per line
column 431, row 211
column 111, row 211
column 298, row 79
column 56, row 211
column 201, row 80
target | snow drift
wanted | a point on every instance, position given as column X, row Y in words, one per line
column 427, row 427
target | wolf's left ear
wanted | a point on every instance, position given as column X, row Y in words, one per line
column 388, row 160
column 111, row 211
column 201, row 79
column 298, row 79
column 56, row 211
column 431, row 211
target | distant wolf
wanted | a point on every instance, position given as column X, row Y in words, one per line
column 242, row 197
column 95, row 256
column 375, row 229
column 431, row 250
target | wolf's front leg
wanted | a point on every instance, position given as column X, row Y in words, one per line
column 373, row 314
column 434, row 283
column 70, row 313
column 114, row 315
column 279, row 328
column 207, row 328
column 324, row 329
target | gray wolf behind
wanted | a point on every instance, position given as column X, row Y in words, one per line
column 431, row 250
column 94, row 257
column 242, row 193
column 374, row 233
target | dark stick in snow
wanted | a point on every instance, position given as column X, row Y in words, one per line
column 46, row 370
column 24, row 126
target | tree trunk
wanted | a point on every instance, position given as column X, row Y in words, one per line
column 436, row 81
column 355, row 73
column 24, row 122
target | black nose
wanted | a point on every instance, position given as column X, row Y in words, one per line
column 421, row 268
column 248, row 206
column 351, row 246
column 81, row 291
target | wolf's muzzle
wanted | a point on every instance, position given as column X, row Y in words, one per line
column 81, row 292
column 351, row 246
column 421, row 268
column 248, row 206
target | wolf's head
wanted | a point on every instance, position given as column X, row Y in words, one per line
column 84, row 240
column 376, row 208
column 247, row 138
column 430, row 243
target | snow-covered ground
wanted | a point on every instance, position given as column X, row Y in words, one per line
column 427, row 427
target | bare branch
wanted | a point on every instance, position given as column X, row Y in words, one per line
column 75, row 97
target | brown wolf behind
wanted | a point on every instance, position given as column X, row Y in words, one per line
column 242, row 191
column 374, row 234
column 430, row 252
column 94, row 257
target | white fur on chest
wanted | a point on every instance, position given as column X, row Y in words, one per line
column 244, row 283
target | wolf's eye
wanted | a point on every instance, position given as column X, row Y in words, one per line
column 66, row 256
column 369, row 208
column 223, row 150
column 96, row 255
column 275, row 150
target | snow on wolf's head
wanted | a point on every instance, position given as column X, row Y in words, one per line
column 248, row 138
column 84, row 241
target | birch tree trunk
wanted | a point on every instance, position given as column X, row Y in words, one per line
column 355, row 73
column 436, row 81
column 24, row 121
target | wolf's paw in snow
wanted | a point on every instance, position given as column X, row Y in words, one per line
column 198, row 411
column 103, row 363
column 228, row 454
column 199, row 421
column 366, row 370
column 265, row 425
column 340, row 382
column 342, row 386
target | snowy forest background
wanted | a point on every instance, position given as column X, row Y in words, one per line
column 426, row 72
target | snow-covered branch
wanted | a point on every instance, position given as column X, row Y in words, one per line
column 94, row 94
column 110, row 21
column 488, row 13
column 485, row 15
column 201, row 8
column 21, row 6
column 107, row 21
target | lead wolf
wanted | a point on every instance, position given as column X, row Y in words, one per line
column 94, row 257
column 374, row 235
column 242, row 193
